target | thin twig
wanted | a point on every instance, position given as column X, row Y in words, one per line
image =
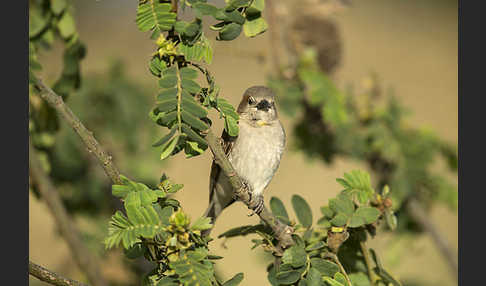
column 282, row 232
column 341, row 268
column 366, row 255
column 86, row 135
column 46, row 275
column 415, row 209
column 49, row 194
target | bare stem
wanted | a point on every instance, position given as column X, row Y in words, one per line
column 46, row 275
column 366, row 255
column 86, row 135
column 282, row 232
column 341, row 268
column 49, row 194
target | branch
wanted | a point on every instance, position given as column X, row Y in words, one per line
column 367, row 259
column 66, row 226
column 282, row 232
column 86, row 135
column 50, row 277
column 341, row 268
column 415, row 209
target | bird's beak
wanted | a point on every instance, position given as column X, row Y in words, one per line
column 263, row 105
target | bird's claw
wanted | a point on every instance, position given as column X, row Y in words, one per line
column 256, row 204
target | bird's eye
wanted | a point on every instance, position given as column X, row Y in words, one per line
column 251, row 100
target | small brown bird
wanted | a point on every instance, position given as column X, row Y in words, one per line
column 255, row 153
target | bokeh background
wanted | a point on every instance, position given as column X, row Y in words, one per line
column 410, row 44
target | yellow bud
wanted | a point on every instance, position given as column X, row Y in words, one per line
column 160, row 40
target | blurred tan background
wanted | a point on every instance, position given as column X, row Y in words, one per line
column 410, row 44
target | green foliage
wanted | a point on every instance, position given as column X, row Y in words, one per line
column 333, row 123
column 155, row 227
column 314, row 258
column 182, row 101
column 155, row 16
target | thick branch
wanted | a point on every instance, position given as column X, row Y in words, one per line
column 93, row 146
column 50, row 277
column 282, row 232
column 418, row 213
column 49, row 194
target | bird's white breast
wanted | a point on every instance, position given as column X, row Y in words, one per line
column 256, row 153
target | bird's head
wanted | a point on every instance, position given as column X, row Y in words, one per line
column 258, row 106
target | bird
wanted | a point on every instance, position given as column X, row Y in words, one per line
column 254, row 153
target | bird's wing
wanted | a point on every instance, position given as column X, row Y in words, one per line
column 216, row 172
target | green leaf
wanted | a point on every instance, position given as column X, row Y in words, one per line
column 287, row 277
column 314, row 246
column 231, row 126
column 156, row 66
column 254, row 27
column 332, row 282
column 155, row 15
column 168, row 81
column 166, row 138
column 135, row 251
column 278, row 209
column 245, row 230
column 295, row 256
column 230, row 32
column 302, row 210
column 235, row 16
column 364, row 215
column 120, row 190
column 359, row 183
column 325, row 267
column 193, row 121
column 201, row 50
column 327, row 212
column 236, row 280
column 191, row 270
column 190, row 86
column 341, row 279
column 258, row 5
column 193, row 135
column 66, row 25
column 205, row 9
column 188, row 73
column 167, row 281
column 339, row 220
column 123, row 230
column 202, row 223
column 167, row 105
column 191, row 106
column 58, row 6
column 342, row 205
column 166, row 94
column 234, row 4
column 168, row 147
column 314, row 277
column 359, row 279
column 37, row 21
column 390, row 219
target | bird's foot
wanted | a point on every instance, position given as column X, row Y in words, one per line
column 256, row 204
